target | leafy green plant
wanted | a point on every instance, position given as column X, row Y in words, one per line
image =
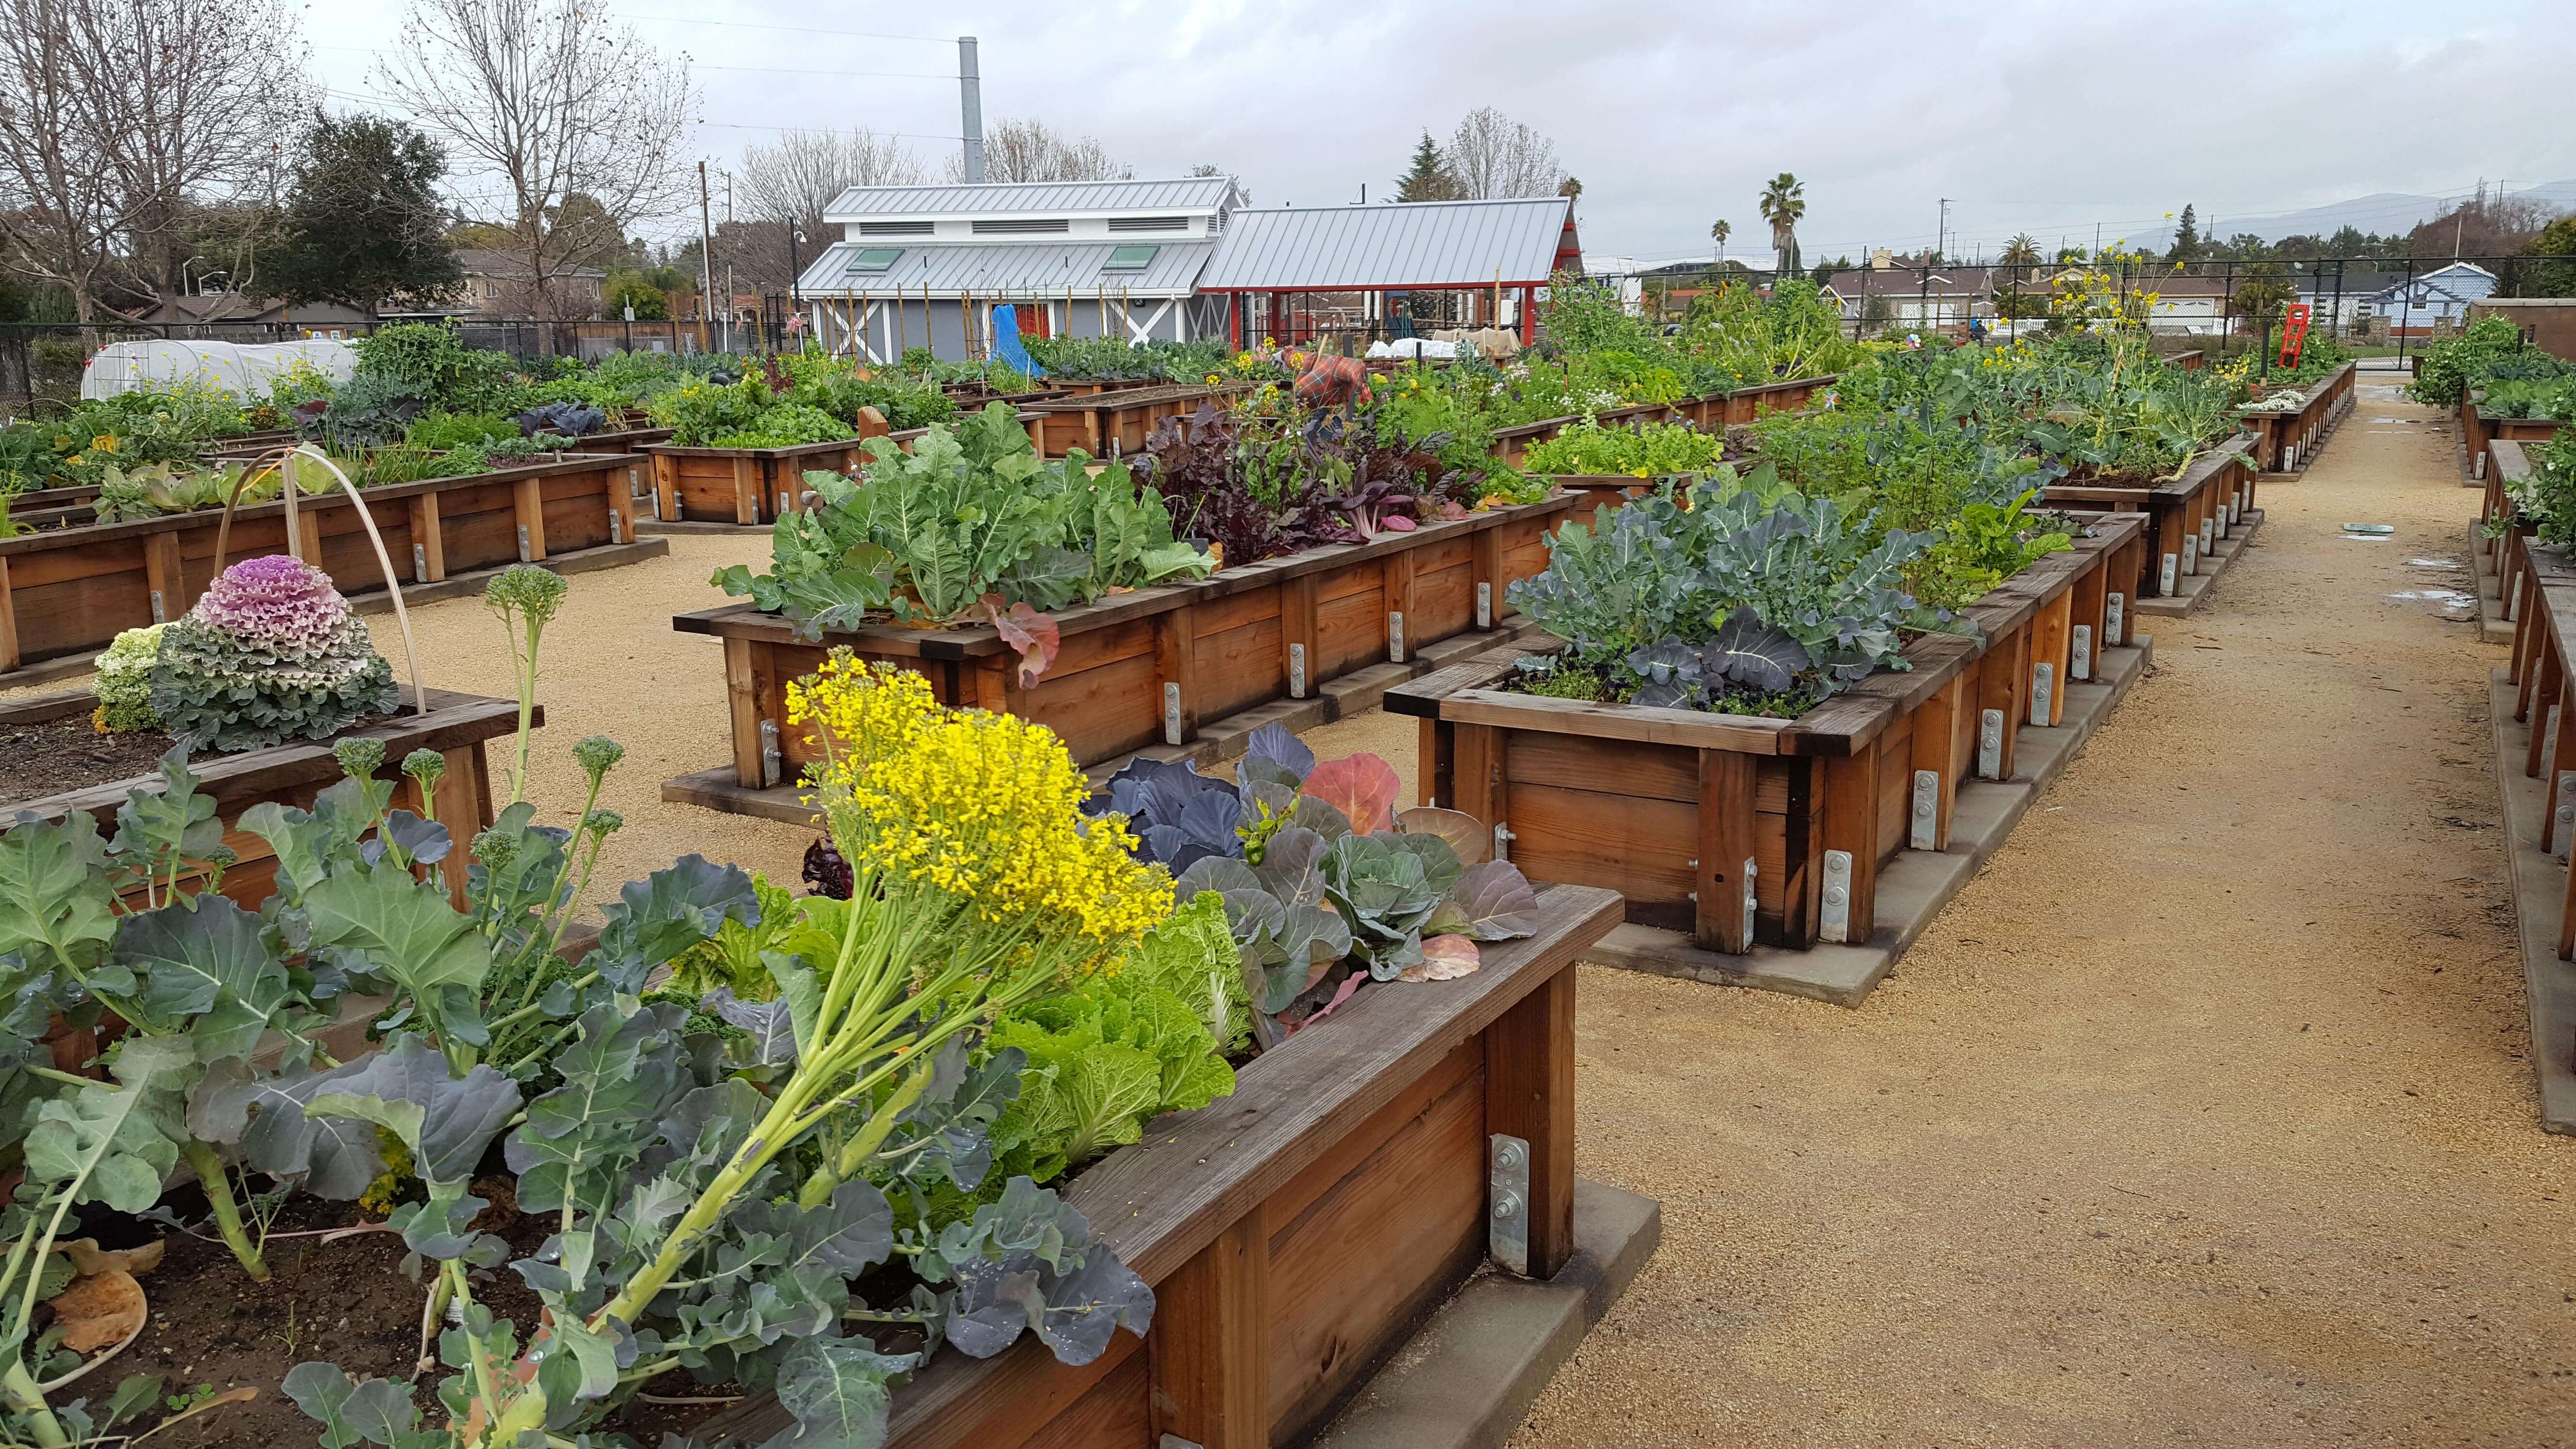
column 441, row 431
column 123, row 687
column 1646, row 451
column 2452, row 366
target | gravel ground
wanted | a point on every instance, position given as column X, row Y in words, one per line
column 2202, row 1115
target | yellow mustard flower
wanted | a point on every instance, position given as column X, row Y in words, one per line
column 103, row 443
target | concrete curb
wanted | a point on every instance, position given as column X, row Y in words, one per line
column 1466, row 1379
column 2539, row 898
column 2189, row 592
column 1914, row 885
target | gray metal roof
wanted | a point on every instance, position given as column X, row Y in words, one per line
column 1029, row 197
column 1403, row 244
column 1013, row 269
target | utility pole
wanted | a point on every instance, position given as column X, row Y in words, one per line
column 706, row 258
column 970, row 101
column 1941, row 233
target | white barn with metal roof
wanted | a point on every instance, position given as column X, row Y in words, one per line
column 925, row 265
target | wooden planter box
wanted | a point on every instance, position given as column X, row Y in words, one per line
column 457, row 726
column 754, row 487
column 2184, row 515
column 72, row 590
column 1150, row 667
column 2506, row 538
column 2480, row 430
column 1708, row 413
column 1114, row 422
column 1743, row 831
column 1297, row 1231
column 2284, row 442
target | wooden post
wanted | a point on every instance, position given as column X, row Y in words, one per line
column 1723, row 916
column 745, row 663
column 161, row 576
column 1396, row 588
column 2001, row 682
column 308, row 522
column 2086, row 610
column 1936, row 748
column 621, row 506
column 746, row 493
column 1176, row 664
column 1851, row 826
column 429, row 561
column 531, row 500
column 9, row 620
column 2049, row 640
column 666, row 487
column 2553, row 687
column 1485, row 567
column 2540, row 679
column 1211, row 1343
column 1801, row 883
column 1433, row 763
column 463, row 802
column 2562, row 758
column 1529, row 1094
column 1476, row 773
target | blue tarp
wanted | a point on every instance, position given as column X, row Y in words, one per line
column 1006, row 341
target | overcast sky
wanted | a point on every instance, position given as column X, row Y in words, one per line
column 2046, row 118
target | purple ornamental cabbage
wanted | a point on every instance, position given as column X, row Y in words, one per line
column 270, row 653
column 277, row 601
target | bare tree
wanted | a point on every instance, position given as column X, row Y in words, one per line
column 119, row 116
column 541, row 102
column 796, row 179
column 1029, row 150
column 1493, row 155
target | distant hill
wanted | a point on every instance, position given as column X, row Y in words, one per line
column 2382, row 212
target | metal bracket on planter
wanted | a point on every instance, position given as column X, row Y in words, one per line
column 1990, row 744
column 616, row 525
column 1172, row 714
column 1395, row 635
column 2549, row 735
column 2165, row 576
column 2565, row 824
column 420, row 562
column 523, row 543
column 2079, row 652
column 1503, row 838
column 2190, row 555
column 1507, row 1202
column 2115, row 608
column 156, row 607
column 1296, row 671
column 1175, row 1441
column 2043, row 684
column 1484, row 606
column 772, row 763
column 1836, row 922
column 1927, row 811
column 658, row 510
column 2208, row 533
column 1752, row 900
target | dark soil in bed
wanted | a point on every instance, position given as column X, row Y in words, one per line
column 56, row 755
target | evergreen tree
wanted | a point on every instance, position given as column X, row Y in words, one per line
column 1429, row 178
column 364, row 221
column 2186, row 242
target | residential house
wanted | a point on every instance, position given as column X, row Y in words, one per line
column 498, row 284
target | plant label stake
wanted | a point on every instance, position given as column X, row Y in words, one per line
column 2079, row 652
column 2165, row 576
column 1507, row 1199
column 1927, row 811
column 1835, row 924
column 771, row 763
column 2565, row 823
column 1990, row 744
column 2114, row 607
column 1296, row 671
column 1484, row 606
column 1172, row 713
column 1395, row 636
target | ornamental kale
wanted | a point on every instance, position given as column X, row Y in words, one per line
column 270, row 653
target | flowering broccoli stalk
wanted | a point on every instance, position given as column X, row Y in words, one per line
column 526, row 598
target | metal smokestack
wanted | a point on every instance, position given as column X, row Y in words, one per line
column 970, row 100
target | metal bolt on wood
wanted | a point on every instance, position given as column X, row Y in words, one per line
column 1395, row 636
column 2079, row 652
column 156, row 607
column 1926, row 831
column 2165, row 575
column 2114, row 609
column 523, row 543
column 2566, row 820
column 1484, row 606
column 420, row 562
column 1503, row 838
column 772, row 762
column 1835, row 924
column 1507, row 1212
column 1172, row 714
column 1296, row 671
column 2042, row 682
column 1990, row 744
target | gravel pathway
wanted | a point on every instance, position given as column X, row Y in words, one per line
column 2203, row 1115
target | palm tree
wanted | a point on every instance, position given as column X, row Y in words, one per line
column 1784, row 201
column 2021, row 251
column 1721, row 231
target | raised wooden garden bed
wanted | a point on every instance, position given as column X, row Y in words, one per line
column 1708, row 413
column 1115, row 421
column 70, row 591
column 753, row 487
column 1296, row 1232
column 2533, row 705
column 1739, row 831
column 2480, row 430
column 2186, row 516
column 457, row 725
column 1151, row 667
column 2285, row 442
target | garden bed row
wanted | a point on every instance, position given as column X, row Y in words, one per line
column 1710, row 412
column 2480, row 430
column 1153, row 666
column 2534, row 708
column 2285, row 442
column 755, row 487
column 2187, row 517
column 1737, row 832
column 69, row 591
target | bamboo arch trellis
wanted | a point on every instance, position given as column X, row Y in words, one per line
column 287, row 489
